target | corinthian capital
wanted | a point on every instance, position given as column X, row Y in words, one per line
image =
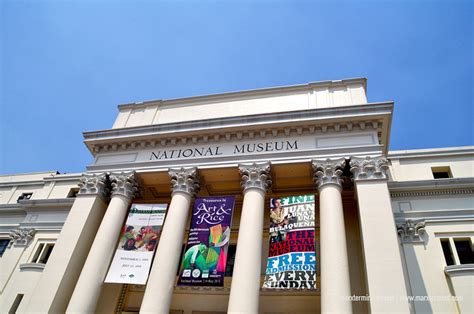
column 94, row 184
column 184, row 180
column 255, row 176
column 125, row 184
column 411, row 231
column 21, row 236
column 369, row 168
column 328, row 171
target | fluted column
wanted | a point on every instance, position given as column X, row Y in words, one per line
column 245, row 288
column 335, row 281
column 384, row 271
column 87, row 291
column 160, row 286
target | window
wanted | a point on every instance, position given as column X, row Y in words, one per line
column 464, row 249
column 24, row 196
column 448, row 254
column 3, row 246
column 73, row 193
column 229, row 269
column 441, row 172
column 457, row 251
column 16, row 304
column 42, row 253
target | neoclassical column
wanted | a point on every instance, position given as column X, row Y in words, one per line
column 59, row 277
column 159, row 290
column 335, row 281
column 245, row 287
column 384, row 272
column 87, row 291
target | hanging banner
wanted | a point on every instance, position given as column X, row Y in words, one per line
column 205, row 256
column 137, row 244
column 292, row 259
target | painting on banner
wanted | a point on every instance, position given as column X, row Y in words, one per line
column 137, row 244
column 205, row 256
column 291, row 260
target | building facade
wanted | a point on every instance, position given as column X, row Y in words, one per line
column 394, row 229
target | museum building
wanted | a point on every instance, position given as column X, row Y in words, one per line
column 393, row 230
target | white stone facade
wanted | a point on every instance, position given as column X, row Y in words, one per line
column 384, row 216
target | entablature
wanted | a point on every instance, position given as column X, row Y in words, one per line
column 325, row 125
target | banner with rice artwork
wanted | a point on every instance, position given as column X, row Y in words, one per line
column 137, row 244
column 291, row 260
column 205, row 256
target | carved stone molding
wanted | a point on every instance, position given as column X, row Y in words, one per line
column 94, row 184
column 185, row 180
column 328, row 171
column 125, row 184
column 369, row 168
column 21, row 236
column 256, row 175
column 444, row 192
column 411, row 231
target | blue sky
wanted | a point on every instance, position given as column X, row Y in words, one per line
column 66, row 65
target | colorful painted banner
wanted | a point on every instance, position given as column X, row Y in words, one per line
column 137, row 244
column 291, row 260
column 205, row 256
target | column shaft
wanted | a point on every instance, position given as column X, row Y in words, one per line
column 245, row 288
column 384, row 271
column 56, row 284
column 160, row 286
column 335, row 281
column 159, row 289
column 88, row 288
column 335, row 278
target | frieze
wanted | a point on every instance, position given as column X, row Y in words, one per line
column 219, row 150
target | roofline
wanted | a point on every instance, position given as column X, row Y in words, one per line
column 250, row 92
column 29, row 173
column 431, row 152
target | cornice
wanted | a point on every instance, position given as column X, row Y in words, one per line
column 428, row 188
column 22, row 183
column 432, row 152
column 435, row 215
column 246, row 93
column 375, row 116
column 60, row 178
column 47, row 203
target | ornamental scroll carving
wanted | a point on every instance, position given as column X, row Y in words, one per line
column 255, row 176
column 125, row 184
column 411, row 231
column 21, row 236
column 369, row 168
column 94, row 184
column 328, row 171
column 185, row 180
